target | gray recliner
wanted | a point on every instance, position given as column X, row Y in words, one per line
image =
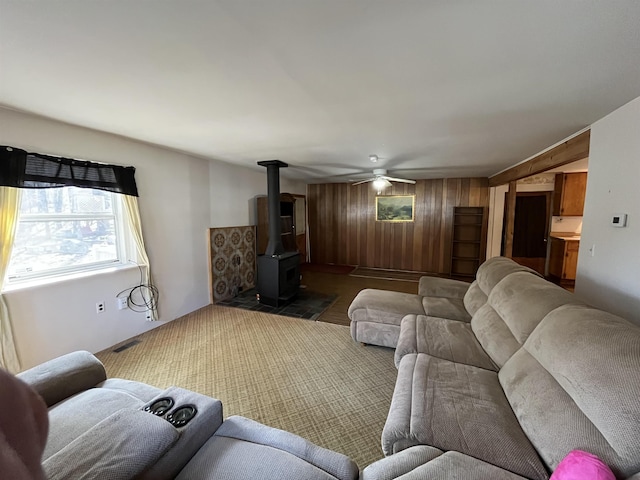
column 120, row 429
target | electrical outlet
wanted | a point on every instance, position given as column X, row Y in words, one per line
column 100, row 307
column 122, row 303
column 148, row 315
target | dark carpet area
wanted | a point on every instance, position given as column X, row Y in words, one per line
column 308, row 305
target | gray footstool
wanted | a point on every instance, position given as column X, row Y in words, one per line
column 376, row 315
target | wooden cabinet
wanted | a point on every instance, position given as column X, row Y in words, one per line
column 468, row 247
column 563, row 258
column 569, row 193
column 293, row 224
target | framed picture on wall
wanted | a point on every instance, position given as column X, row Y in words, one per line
column 395, row 208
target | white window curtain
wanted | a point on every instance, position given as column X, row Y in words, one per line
column 9, row 209
column 135, row 226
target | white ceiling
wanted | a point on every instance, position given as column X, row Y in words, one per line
column 434, row 88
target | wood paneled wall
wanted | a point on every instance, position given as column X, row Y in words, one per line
column 343, row 229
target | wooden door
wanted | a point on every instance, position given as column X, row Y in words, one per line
column 531, row 229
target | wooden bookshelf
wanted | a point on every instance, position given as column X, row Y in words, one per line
column 468, row 247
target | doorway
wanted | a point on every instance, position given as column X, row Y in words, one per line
column 531, row 229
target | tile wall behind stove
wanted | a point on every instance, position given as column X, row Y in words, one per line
column 232, row 253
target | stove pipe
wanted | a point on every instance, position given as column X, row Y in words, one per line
column 274, row 246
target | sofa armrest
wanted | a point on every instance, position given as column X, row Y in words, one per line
column 446, row 466
column 335, row 464
column 120, row 447
column 65, row 376
column 442, row 287
column 192, row 435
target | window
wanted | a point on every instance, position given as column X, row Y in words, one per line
column 66, row 230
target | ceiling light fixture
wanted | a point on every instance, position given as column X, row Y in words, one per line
column 379, row 184
column 373, row 158
column 381, row 180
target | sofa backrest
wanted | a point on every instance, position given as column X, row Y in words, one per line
column 492, row 271
column 515, row 306
column 575, row 384
column 489, row 274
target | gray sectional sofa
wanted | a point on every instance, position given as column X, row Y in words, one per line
column 376, row 315
column 533, row 374
column 107, row 428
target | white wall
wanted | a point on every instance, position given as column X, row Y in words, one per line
column 233, row 192
column 611, row 278
column 180, row 198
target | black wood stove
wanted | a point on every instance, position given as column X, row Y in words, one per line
column 278, row 271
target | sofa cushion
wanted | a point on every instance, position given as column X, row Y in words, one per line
column 431, row 286
column 121, row 446
column 446, row 466
column 441, row 307
column 374, row 333
column 452, row 406
column 442, row 338
column 494, row 335
column 376, row 315
column 71, row 418
column 400, row 464
column 474, row 299
column 139, row 390
column 449, row 304
column 575, row 384
column 383, row 306
column 516, row 305
column 242, row 448
column 493, row 270
column 232, row 459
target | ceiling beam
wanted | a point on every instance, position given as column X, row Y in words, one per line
column 572, row 150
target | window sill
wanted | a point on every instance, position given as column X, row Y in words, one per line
column 39, row 282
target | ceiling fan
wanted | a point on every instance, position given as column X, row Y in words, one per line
column 382, row 181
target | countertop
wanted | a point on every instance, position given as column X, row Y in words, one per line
column 566, row 236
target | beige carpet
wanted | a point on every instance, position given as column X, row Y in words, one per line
column 309, row 378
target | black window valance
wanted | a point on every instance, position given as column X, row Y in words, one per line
column 22, row 169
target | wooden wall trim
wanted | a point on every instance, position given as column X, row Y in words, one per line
column 510, row 219
column 574, row 149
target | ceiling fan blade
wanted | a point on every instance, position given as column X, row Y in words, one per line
column 401, row 180
column 363, row 181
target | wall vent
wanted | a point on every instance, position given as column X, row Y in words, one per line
column 126, row 345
